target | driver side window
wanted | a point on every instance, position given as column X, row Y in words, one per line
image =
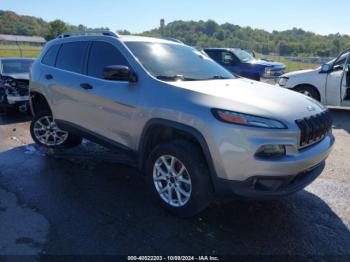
column 227, row 58
column 103, row 54
column 340, row 64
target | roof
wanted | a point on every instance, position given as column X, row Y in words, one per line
column 133, row 38
column 22, row 38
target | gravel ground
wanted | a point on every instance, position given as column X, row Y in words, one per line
column 86, row 202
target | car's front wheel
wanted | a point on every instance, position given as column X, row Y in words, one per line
column 179, row 178
column 308, row 91
column 46, row 133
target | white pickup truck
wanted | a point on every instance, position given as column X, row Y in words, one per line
column 329, row 84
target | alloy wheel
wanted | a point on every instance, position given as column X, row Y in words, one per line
column 172, row 181
column 47, row 132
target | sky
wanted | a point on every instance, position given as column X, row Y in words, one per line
column 319, row 16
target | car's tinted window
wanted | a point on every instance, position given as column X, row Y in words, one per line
column 215, row 55
column 103, row 54
column 51, row 55
column 16, row 66
column 341, row 60
column 71, row 56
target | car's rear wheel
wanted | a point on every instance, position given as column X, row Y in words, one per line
column 46, row 133
column 308, row 91
column 179, row 178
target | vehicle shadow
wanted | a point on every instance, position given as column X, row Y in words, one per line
column 341, row 118
column 96, row 205
column 14, row 118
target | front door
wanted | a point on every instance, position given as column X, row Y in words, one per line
column 334, row 81
column 108, row 107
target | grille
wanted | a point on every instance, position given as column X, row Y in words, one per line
column 314, row 128
column 277, row 72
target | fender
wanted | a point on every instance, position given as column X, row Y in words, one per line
column 181, row 127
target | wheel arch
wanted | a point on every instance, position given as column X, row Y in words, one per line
column 310, row 86
column 160, row 130
column 38, row 102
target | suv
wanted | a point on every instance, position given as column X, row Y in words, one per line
column 329, row 84
column 240, row 62
column 194, row 129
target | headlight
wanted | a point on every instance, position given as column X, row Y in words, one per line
column 267, row 72
column 247, row 120
column 283, row 81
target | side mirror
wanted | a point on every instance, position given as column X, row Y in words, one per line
column 326, row 68
column 119, row 73
column 228, row 59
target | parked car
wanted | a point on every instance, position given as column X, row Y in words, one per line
column 240, row 62
column 14, row 83
column 329, row 84
column 195, row 130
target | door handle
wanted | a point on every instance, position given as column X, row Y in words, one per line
column 86, row 86
column 49, row 77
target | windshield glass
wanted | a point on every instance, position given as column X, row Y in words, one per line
column 173, row 62
column 243, row 55
column 16, row 66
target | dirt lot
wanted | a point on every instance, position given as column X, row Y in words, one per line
column 84, row 201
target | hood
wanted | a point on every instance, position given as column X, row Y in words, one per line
column 251, row 97
column 20, row 76
column 302, row 73
column 267, row 63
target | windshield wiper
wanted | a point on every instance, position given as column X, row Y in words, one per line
column 176, row 78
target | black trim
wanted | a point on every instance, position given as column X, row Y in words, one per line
column 182, row 127
column 85, row 133
column 249, row 189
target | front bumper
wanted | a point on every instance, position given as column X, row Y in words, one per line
column 267, row 187
column 17, row 99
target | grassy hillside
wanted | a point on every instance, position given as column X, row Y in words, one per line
column 295, row 42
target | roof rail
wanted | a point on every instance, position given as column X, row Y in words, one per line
column 88, row 32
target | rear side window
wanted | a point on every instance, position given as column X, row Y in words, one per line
column 51, row 55
column 213, row 55
column 103, row 54
column 71, row 56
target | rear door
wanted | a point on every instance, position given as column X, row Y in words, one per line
column 65, row 79
column 334, row 81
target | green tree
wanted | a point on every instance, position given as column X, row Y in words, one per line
column 56, row 28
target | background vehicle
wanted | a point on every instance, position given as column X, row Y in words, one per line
column 14, row 83
column 240, row 62
column 194, row 129
column 329, row 84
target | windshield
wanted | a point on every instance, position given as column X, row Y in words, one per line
column 174, row 62
column 243, row 55
column 16, row 66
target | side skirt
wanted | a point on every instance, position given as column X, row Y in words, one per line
column 98, row 139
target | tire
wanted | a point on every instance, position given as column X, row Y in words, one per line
column 40, row 131
column 308, row 91
column 199, row 191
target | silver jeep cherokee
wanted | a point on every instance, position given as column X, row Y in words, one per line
column 194, row 129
